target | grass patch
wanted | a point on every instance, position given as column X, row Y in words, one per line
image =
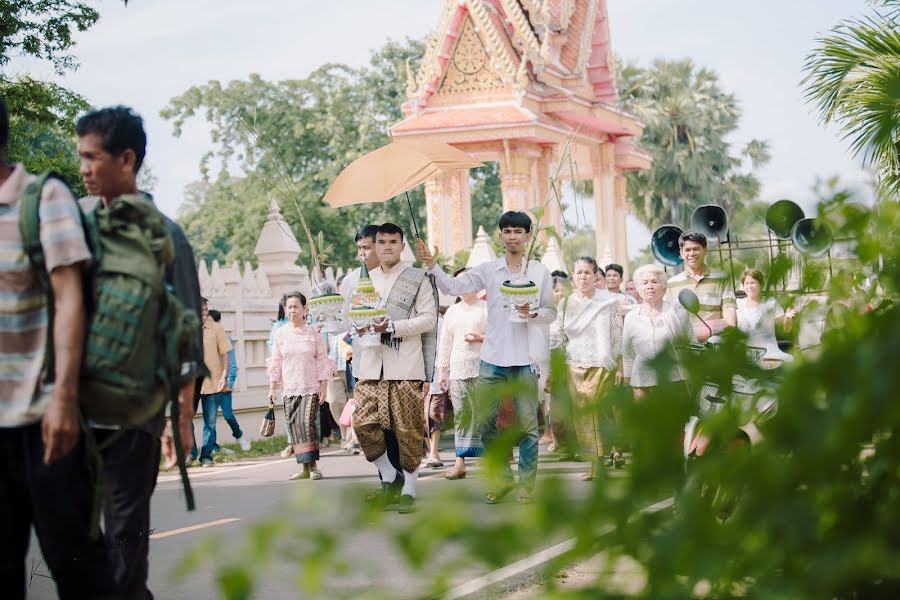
column 258, row 449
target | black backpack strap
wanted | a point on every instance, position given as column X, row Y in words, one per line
column 170, row 356
column 179, row 453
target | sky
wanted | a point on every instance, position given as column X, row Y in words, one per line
column 146, row 53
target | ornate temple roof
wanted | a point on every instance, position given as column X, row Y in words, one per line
column 541, row 69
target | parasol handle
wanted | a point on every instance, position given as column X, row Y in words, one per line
column 412, row 215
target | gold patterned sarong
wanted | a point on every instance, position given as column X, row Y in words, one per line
column 589, row 387
column 397, row 406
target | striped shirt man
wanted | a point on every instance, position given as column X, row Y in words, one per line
column 23, row 304
column 715, row 292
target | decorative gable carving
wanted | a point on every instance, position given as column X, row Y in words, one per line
column 470, row 68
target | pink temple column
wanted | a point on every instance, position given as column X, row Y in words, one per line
column 448, row 203
column 603, row 165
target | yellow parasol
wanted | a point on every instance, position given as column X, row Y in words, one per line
column 393, row 170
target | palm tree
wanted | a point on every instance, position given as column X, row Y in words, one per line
column 853, row 77
column 688, row 117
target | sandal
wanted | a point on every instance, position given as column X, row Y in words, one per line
column 499, row 495
column 434, row 463
column 315, row 474
column 524, row 498
column 452, row 475
column 300, row 475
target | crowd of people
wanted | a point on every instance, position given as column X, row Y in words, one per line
column 388, row 400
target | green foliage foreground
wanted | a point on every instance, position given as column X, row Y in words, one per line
column 817, row 512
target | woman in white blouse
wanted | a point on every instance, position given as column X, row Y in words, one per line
column 458, row 363
column 756, row 317
column 656, row 326
column 588, row 321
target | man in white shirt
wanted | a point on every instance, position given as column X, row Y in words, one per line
column 613, row 274
column 365, row 252
column 389, row 395
column 511, row 350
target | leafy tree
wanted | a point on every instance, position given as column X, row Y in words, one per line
column 853, row 78
column 43, row 29
column 42, row 115
column 487, row 199
column 291, row 139
column 42, row 122
column 688, row 119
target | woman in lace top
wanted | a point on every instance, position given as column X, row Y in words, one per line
column 300, row 363
column 458, row 362
column 588, row 321
column 756, row 317
column 655, row 327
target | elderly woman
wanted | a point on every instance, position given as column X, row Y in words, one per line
column 655, row 326
column 756, row 317
column 592, row 338
column 300, row 364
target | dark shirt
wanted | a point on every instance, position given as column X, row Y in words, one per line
column 182, row 276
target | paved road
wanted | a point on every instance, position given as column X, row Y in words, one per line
column 233, row 499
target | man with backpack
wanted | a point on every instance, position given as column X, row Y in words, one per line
column 43, row 450
column 111, row 144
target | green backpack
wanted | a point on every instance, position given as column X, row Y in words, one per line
column 138, row 332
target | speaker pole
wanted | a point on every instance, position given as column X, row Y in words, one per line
column 730, row 261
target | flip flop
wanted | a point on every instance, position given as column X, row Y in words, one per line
column 499, row 495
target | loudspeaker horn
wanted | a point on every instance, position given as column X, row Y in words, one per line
column 812, row 237
column 711, row 220
column 782, row 216
column 664, row 245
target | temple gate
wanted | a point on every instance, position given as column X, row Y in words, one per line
column 512, row 81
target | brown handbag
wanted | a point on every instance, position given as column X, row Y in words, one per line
column 267, row 427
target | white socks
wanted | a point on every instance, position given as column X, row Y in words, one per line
column 409, row 483
column 384, row 466
column 389, row 474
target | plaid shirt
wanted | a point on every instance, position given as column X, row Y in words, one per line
column 23, row 304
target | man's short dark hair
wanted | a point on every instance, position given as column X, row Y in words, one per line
column 617, row 268
column 560, row 274
column 120, row 128
column 691, row 236
column 216, row 315
column 4, row 124
column 367, row 231
column 391, row 229
column 203, row 301
column 514, row 218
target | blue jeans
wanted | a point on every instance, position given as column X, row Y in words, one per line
column 526, row 406
column 228, row 415
column 211, row 404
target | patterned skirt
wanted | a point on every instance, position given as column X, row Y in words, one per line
column 302, row 414
column 467, row 434
column 589, row 388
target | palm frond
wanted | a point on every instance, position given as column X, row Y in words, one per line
column 853, row 78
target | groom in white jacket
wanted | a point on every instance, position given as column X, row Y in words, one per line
column 512, row 349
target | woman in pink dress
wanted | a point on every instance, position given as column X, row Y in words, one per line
column 300, row 362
